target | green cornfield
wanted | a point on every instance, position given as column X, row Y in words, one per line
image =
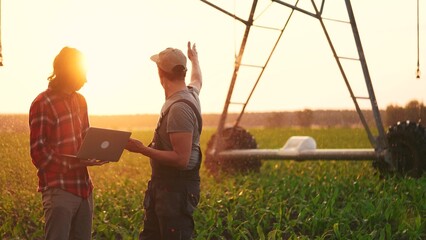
column 285, row 200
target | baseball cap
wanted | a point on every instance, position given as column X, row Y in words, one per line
column 169, row 58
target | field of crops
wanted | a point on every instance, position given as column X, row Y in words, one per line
column 285, row 200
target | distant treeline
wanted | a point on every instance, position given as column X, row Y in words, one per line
column 414, row 111
column 305, row 118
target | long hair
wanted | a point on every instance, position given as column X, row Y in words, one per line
column 66, row 62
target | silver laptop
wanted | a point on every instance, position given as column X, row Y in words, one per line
column 103, row 144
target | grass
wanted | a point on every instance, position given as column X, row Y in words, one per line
column 285, row 200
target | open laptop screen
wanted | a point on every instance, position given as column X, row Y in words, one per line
column 103, row 144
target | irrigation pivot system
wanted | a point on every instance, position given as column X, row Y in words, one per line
column 401, row 149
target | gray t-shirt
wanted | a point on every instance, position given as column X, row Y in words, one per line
column 181, row 118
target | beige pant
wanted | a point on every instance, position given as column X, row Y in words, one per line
column 67, row 216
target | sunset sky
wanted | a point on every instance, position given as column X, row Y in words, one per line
column 118, row 37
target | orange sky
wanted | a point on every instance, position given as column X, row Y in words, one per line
column 118, row 37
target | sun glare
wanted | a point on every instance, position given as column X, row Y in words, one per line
column 109, row 35
column 117, row 40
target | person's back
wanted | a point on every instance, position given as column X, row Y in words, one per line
column 181, row 117
column 174, row 189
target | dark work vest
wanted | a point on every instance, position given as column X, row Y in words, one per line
column 160, row 171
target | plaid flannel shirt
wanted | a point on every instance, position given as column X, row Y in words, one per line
column 58, row 123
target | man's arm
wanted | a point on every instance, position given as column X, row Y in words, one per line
column 196, row 77
column 178, row 157
column 180, row 136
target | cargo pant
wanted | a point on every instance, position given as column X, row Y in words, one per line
column 169, row 207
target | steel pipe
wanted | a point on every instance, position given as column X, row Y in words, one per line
column 312, row 154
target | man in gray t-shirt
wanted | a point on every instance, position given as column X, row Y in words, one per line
column 181, row 118
column 174, row 189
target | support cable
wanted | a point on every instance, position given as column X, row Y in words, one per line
column 418, row 42
column 1, row 56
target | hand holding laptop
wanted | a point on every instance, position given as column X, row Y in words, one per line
column 86, row 162
column 92, row 162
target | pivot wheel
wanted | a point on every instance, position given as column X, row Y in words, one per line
column 232, row 138
column 407, row 146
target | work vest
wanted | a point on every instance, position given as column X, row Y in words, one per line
column 160, row 171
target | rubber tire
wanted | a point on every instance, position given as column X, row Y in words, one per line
column 233, row 138
column 407, row 146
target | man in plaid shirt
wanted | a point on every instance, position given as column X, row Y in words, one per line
column 58, row 122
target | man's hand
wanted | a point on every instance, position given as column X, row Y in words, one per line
column 192, row 52
column 92, row 162
column 134, row 145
